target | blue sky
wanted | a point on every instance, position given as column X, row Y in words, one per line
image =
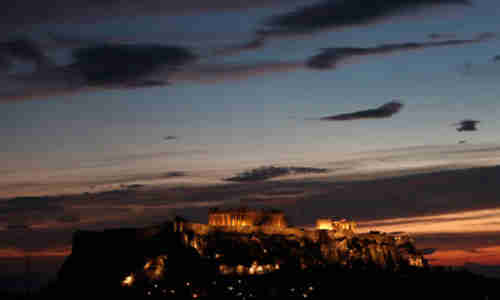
column 260, row 117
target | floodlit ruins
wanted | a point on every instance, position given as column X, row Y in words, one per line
column 336, row 224
column 246, row 217
column 251, row 242
column 235, row 242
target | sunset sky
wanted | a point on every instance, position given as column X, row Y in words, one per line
column 179, row 95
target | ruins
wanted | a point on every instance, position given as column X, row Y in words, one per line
column 246, row 217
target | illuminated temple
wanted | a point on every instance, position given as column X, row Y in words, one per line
column 246, row 217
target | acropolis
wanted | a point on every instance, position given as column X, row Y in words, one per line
column 236, row 242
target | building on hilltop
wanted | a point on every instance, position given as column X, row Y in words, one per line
column 246, row 217
column 336, row 224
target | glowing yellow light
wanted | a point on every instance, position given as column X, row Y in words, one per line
column 240, row 269
column 129, row 280
column 155, row 268
column 324, row 224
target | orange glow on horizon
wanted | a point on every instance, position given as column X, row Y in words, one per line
column 484, row 256
column 12, row 253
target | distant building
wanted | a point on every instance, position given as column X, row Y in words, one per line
column 335, row 224
column 247, row 217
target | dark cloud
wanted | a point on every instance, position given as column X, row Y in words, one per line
column 30, row 204
column 335, row 14
column 126, row 66
column 496, row 58
column 115, row 64
column 24, row 211
column 25, row 13
column 22, row 49
column 467, row 125
column 329, row 58
column 384, row 111
column 145, row 84
column 131, row 186
column 332, row 14
column 467, row 241
column 264, row 173
column 170, row 137
column 106, row 66
column 174, row 174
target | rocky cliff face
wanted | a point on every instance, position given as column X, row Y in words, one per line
column 118, row 257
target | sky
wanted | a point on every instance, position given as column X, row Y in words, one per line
column 96, row 96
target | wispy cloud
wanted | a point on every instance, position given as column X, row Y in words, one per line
column 268, row 172
column 330, row 58
column 483, row 220
column 129, row 66
column 255, row 44
column 335, row 15
column 384, row 111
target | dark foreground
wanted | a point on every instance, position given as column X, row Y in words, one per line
column 320, row 283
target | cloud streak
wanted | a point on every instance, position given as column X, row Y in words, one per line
column 126, row 66
column 336, row 14
column 264, row 173
column 330, row 58
column 384, row 111
column 170, row 138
